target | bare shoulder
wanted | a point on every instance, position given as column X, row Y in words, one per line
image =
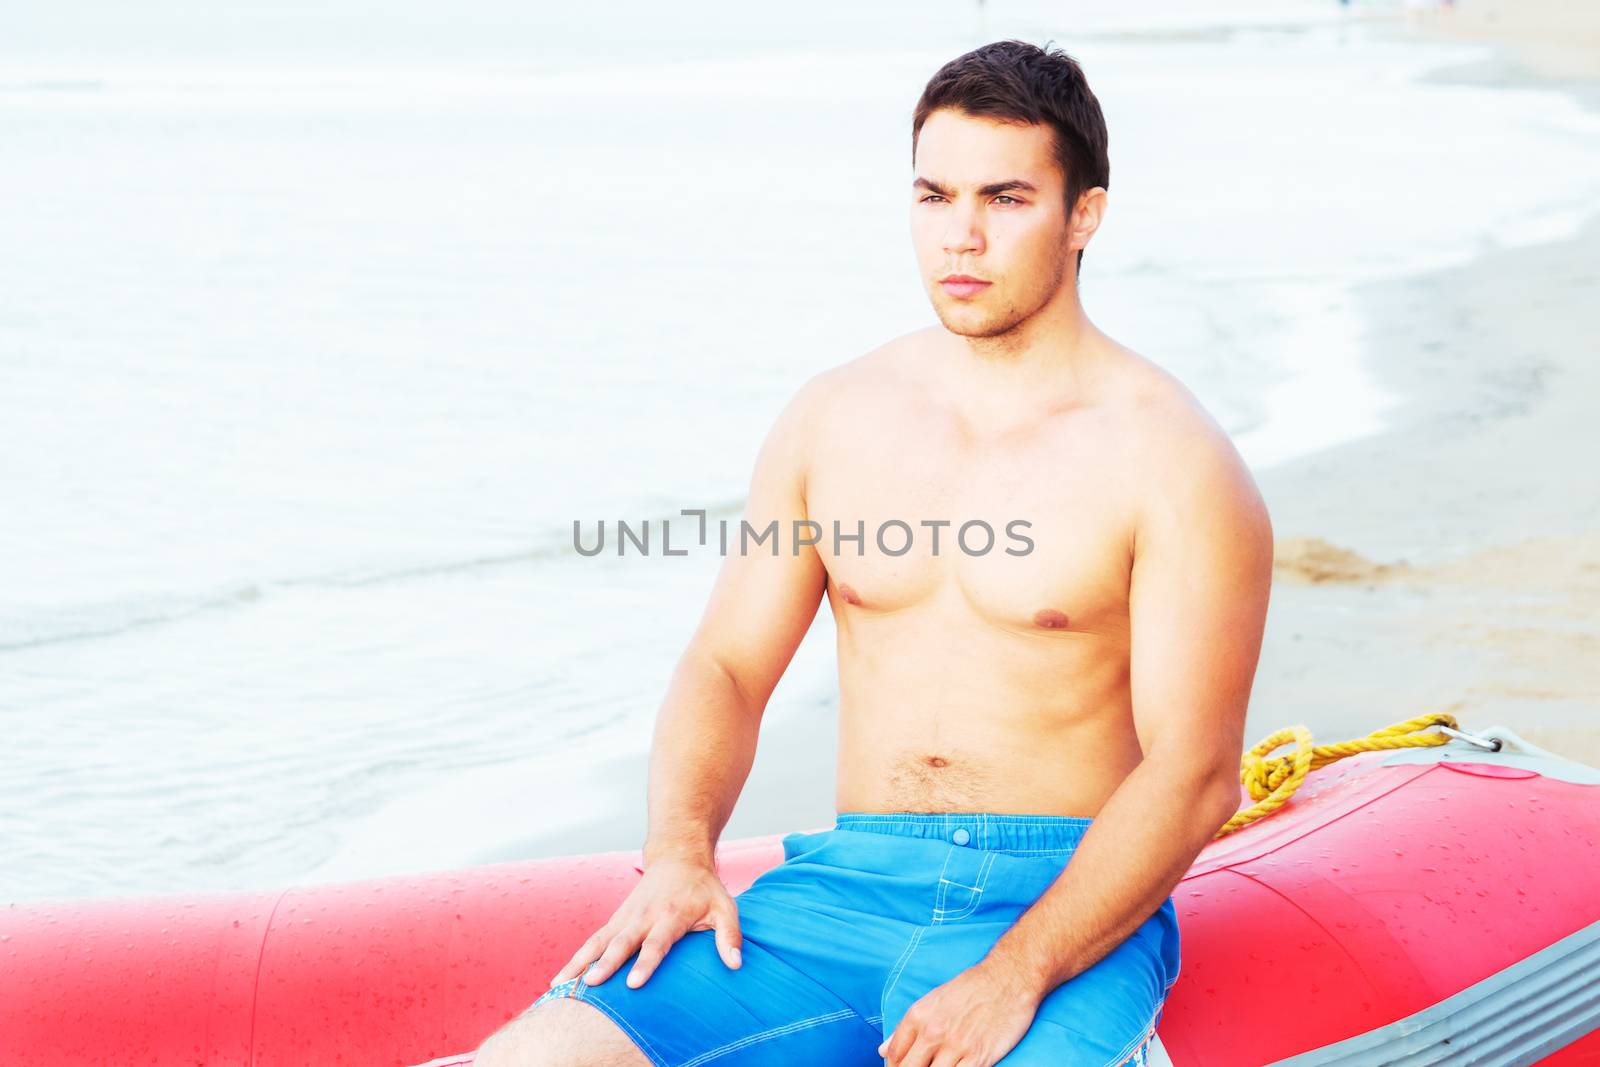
column 828, row 406
column 1184, row 461
column 896, row 363
column 885, row 370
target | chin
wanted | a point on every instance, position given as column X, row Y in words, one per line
column 969, row 322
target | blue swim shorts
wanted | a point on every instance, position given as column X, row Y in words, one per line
column 858, row 922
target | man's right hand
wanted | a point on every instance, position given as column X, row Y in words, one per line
column 673, row 897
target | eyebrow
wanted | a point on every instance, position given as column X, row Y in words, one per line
column 992, row 189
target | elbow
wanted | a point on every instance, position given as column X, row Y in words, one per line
column 1225, row 802
column 1207, row 790
column 722, row 671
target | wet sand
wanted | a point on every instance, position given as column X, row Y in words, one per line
column 1452, row 563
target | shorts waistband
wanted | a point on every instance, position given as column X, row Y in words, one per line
column 981, row 830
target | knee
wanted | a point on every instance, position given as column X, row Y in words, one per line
column 560, row 1033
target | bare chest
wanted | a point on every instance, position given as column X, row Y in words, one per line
column 1027, row 532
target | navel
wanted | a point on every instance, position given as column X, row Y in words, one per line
column 935, row 761
column 1050, row 619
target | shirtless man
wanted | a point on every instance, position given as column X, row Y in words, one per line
column 1079, row 696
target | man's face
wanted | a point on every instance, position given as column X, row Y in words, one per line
column 987, row 202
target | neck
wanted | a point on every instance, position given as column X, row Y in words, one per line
column 1048, row 361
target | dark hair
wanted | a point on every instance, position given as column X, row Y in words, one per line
column 1015, row 81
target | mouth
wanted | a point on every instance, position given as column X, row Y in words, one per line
column 963, row 285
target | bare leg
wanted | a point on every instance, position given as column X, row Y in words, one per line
column 560, row 1033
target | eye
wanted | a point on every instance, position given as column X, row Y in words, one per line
column 930, row 197
column 1010, row 199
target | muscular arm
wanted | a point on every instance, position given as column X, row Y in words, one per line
column 1202, row 575
column 760, row 608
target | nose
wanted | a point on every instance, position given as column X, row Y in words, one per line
column 962, row 231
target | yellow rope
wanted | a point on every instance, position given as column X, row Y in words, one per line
column 1273, row 781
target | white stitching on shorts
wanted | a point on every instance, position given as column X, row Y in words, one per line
column 1034, row 851
column 963, row 885
column 944, row 883
column 941, row 916
column 900, row 965
column 616, row 1016
column 1143, row 1038
column 777, row 1031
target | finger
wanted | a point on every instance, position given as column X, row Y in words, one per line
column 896, row 1044
column 729, row 939
column 921, row 1053
column 583, row 957
column 621, row 947
column 651, row 953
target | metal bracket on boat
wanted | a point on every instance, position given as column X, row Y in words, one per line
column 1503, row 746
column 1491, row 743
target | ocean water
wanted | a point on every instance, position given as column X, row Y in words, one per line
column 321, row 324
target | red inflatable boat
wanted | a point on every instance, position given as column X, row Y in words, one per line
column 1436, row 905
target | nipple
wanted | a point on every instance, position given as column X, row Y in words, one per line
column 1050, row 619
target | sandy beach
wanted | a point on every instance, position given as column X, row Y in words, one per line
column 1450, row 563
column 1453, row 562
column 1539, row 41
